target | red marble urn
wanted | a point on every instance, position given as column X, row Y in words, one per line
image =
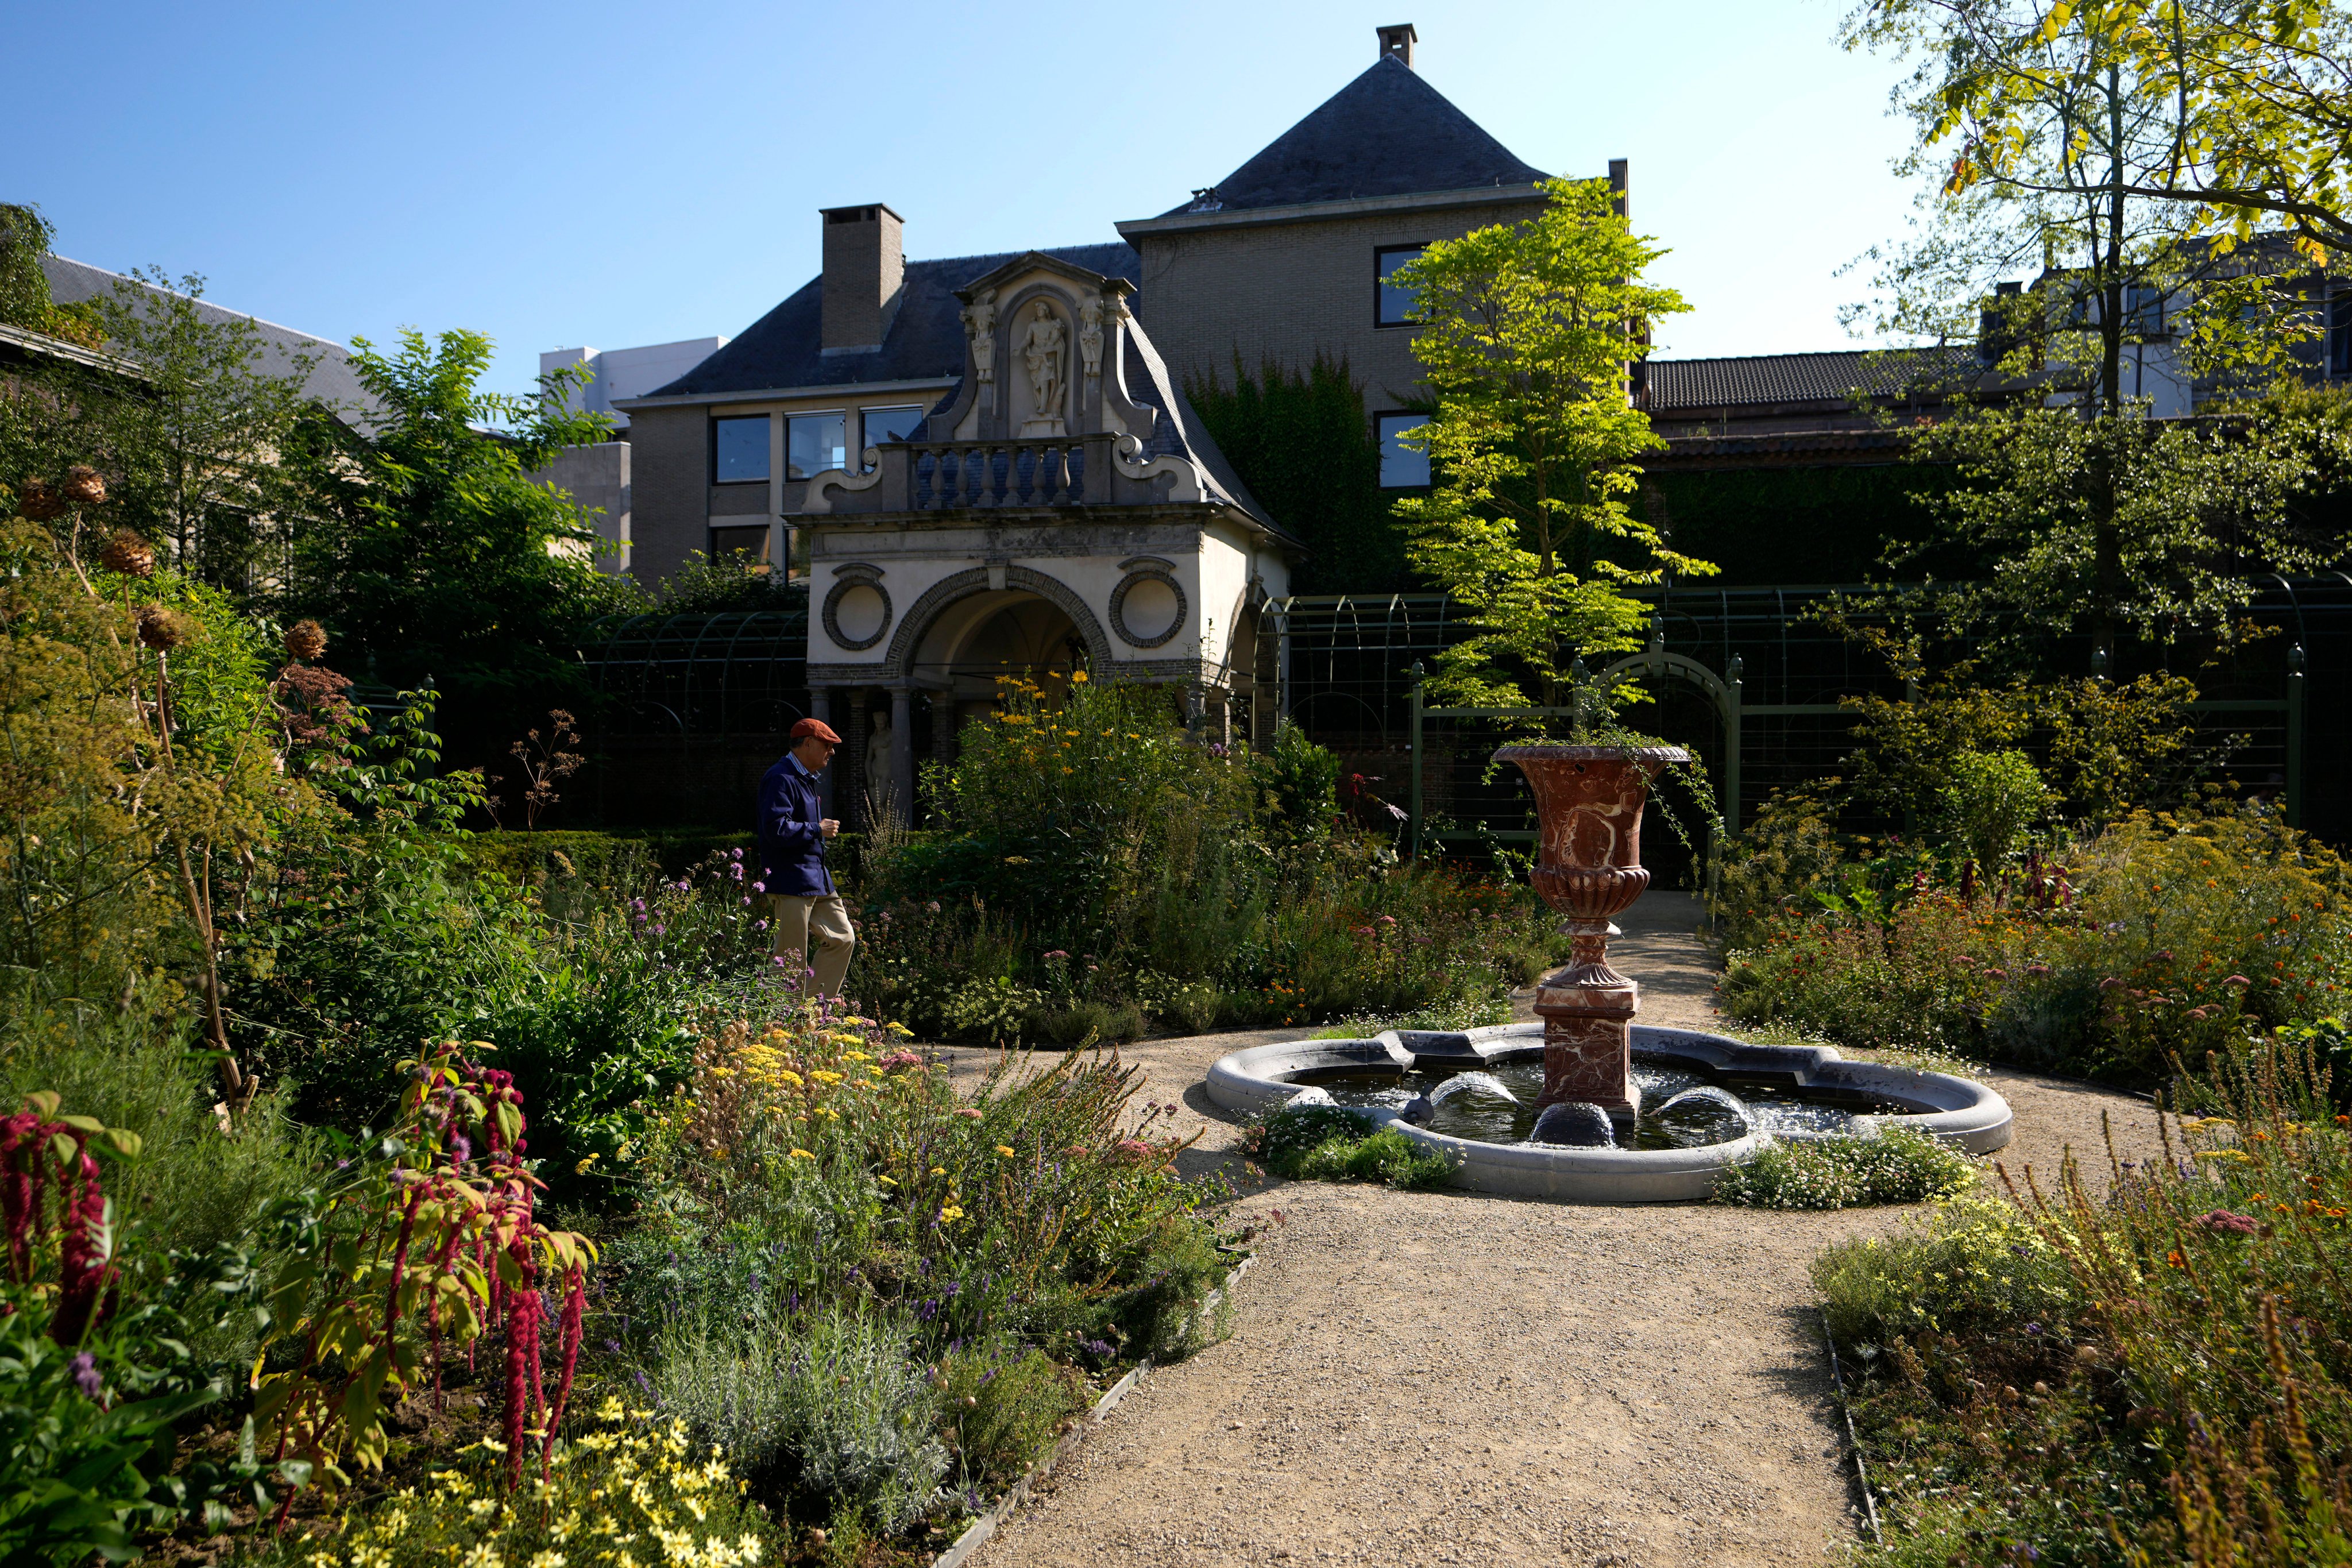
column 1589, row 803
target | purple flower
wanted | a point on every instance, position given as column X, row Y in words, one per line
column 85, row 1374
column 658, row 929
column 738, row 854
column 747, row 903
column 759, row 887
column 760, row 926
column 735, row 872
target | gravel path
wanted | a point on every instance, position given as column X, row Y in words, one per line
column 1451, row 1377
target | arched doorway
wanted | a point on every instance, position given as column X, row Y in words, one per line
column 984, row 637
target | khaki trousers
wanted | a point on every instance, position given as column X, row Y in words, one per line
column 825, row 917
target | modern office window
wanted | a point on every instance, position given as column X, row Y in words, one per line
column 890, row 425
column 740, row 543
column 1393, row 302
column 738, row 450
column 1402, row 467
column 2144, row 310
column 816, row 442
column 2339, row 333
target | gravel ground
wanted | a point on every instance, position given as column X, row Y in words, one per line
column 1453, row 1377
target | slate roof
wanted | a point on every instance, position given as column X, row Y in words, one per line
column 329, row 380
column 926, row 338
column 1386, row 134
column 1669, row 384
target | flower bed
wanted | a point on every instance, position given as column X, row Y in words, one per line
column 2154, row 1375
column 885, row 1299
column 2161, row 938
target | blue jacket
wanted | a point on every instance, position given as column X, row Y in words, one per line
column 792, row 850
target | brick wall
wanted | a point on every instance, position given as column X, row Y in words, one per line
column 1290, row 290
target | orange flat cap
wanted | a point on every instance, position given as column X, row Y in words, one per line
column 817, row 727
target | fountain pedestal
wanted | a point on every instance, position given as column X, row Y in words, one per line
column 1589, row 803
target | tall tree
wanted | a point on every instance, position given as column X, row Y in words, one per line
column 1526, row 331
column 188, row 433
column 434, row 554
column 194, row 448
column 2254, row 105
column 2059, row 141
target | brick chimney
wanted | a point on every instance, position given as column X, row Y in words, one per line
column 865, row 266
column 1398, row 41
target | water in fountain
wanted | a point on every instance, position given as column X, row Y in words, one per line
column 1471, row 1083
column 1498, row 1105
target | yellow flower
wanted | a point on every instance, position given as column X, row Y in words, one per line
column 939, row 1170
column 1077, row 677
column 901, row 1030
column 791, row 1077
column 856, row 1057
column 887, row 1180
column 823, row 1076
column 949, row 1215
column 800, row 1154
column 1005, row 1151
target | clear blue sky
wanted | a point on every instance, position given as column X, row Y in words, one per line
column 615, row 176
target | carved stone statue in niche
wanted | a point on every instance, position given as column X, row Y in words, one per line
column 980, row 325
column 1043, row 348
column 1090, row 335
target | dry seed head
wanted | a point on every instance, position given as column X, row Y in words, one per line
column 85, row 486
column 126, row 553
column 306, row 640
column 161, row 629
column 36, row 501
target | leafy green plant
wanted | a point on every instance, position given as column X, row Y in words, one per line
column 1989, row 801
column 1898, row 1165
column 1320, row 1143
column 1976, row 1261
column 431, row 1240
column 1006, row 1406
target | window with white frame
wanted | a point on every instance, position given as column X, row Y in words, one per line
column 1402, row 466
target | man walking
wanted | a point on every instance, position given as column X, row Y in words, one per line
column 792, row 831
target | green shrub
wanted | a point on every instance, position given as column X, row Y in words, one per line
column 1989, row 801
column 815, row 1409
column 1898, row 1165
column 1005, row 1407
column 1320, row 1143
column 1975, row 1262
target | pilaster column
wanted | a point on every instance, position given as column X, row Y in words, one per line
column 902, row 751
column 851, row 762
column 820, row 710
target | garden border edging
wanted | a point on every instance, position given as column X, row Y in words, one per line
column 980, row 1529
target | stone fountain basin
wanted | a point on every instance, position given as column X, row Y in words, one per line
column 1959, row 1110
